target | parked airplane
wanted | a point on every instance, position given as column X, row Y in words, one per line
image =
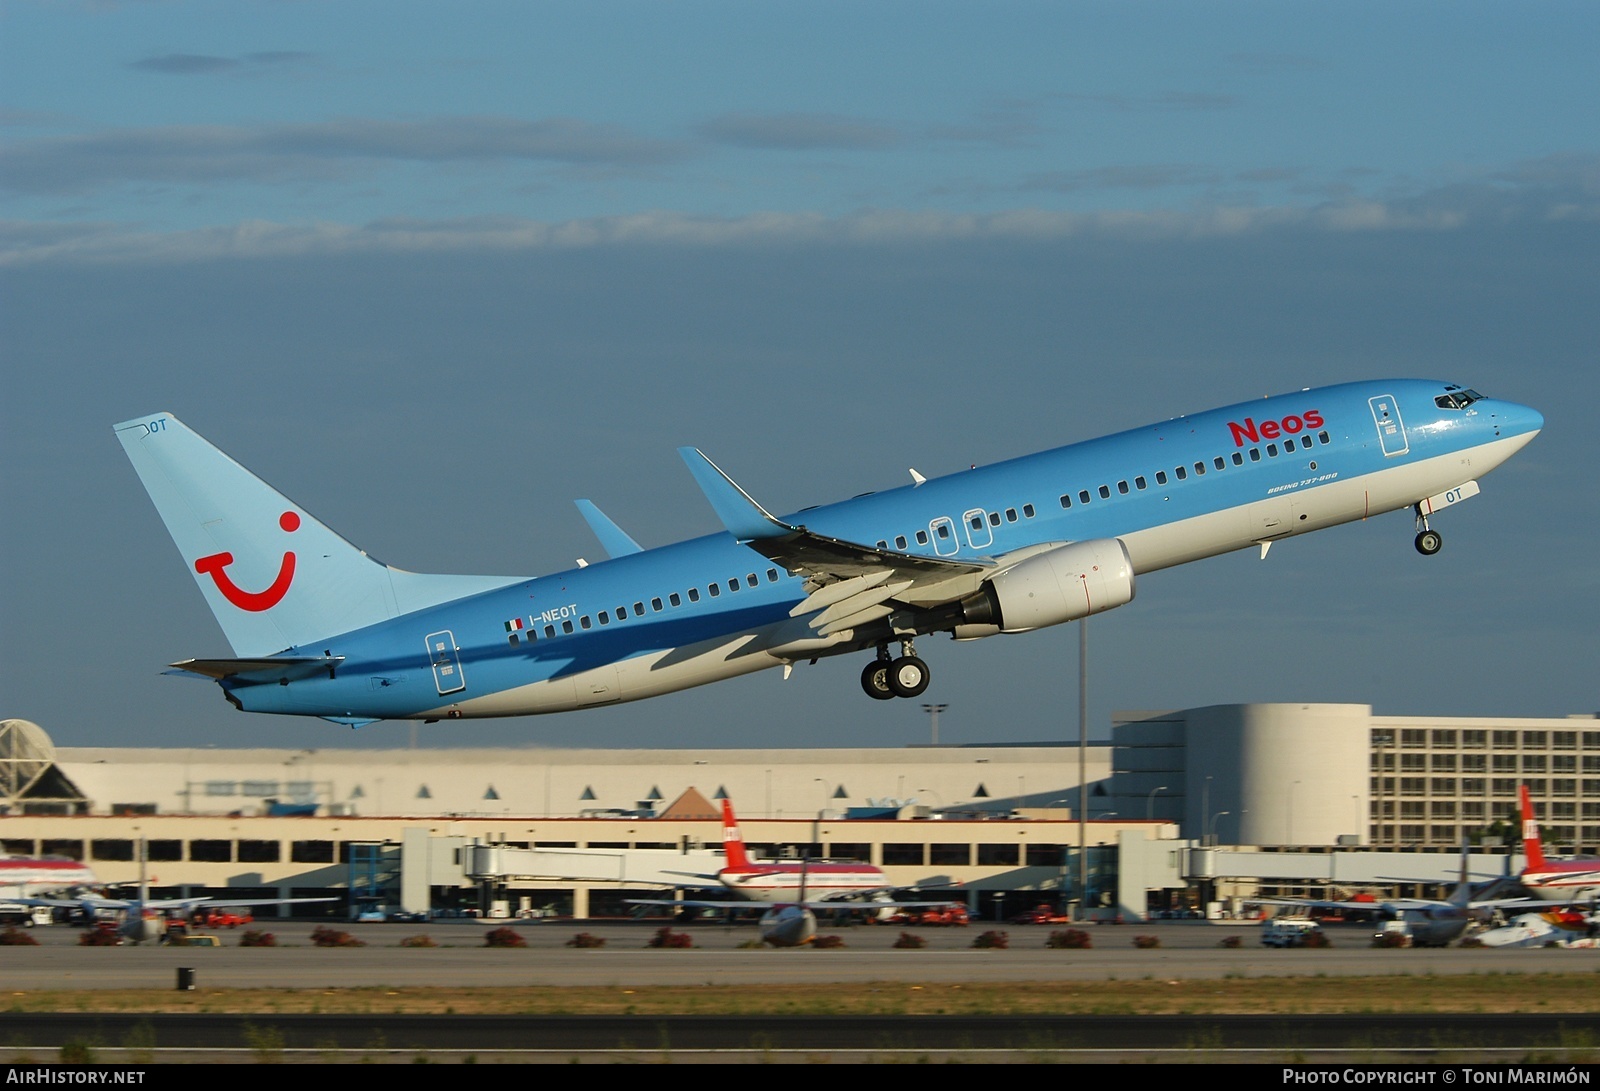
column 145, row 919
column 1551, row 928
column 22, row 877
column 320, row 628
column 1428, row 922
column 782, row 880
column 1571, row 880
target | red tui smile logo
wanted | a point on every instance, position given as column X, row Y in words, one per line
column 254, row 601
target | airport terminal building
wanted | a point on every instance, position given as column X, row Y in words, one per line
column 1179, row 806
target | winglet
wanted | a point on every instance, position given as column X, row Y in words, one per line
column 613, row 538
column 740, row 514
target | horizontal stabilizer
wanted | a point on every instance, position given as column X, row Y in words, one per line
column 261, row 670
column 613, row 538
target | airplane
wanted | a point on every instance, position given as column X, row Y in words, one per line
column 143, row 919
column 22, row 876
column 1550, row 928
column 780, row 881
column 320, row 628
column 793, row 891
column 1574, row 879
column 1428, row 922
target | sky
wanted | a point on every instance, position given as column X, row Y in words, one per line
column 436, row 270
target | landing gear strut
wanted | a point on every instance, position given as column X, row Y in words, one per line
column 1428, row 541
column 906, row 676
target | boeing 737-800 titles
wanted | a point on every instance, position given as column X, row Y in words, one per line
column 320, row 628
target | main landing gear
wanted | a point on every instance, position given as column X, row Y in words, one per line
column 885, row 678
column 1428, row 541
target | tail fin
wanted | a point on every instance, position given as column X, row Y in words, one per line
column 732, row 840
column 1462, row 895
column 1532, row 846
column 274, row 576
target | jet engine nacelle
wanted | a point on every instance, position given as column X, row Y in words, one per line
column 1063, row 584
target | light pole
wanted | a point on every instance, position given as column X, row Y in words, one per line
column 1211, row 827
column 933, row 721
column 1150, row 804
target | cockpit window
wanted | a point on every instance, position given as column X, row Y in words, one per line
column 1457, row 399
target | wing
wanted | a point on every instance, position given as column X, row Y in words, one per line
column 850, row 583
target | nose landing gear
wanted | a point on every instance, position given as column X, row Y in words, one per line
column 1428, row 541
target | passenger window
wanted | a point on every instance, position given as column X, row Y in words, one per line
column 882, row 544
column 1272, row 450
column 1027, row 511
column 1105, row 492
column 715, row 589
column 922, row 537
column 694, row 594
column 900, row 541
column 1066, row 501
column 1161, row 477
column 733, row 584
column 638, row 609
column 750, row 579
column 1011, row 515
column 655, row 604
column 977, row 522
column 994, row 518
column 1199, row 469
column 605, row 619
column 1322, row 437
column 772, row 575
column 1122, row 487
column 1182, row 473
column 1238, row 459
column 1255, row 454
column 585, row 622
column 944, row 530
column 1218, row 462
column 566, row 626
column 1138, row 482
column 550, row 631
column 1083, row 496
column 674, row 599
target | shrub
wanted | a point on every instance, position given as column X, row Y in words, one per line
column 257, row 938
column 910, row 941
column 1145, row 943
column 504, row 937
column 1389, row 939
column 100, row 937
column 1073, row 939
column 666, row 937
column 828, row 941
column 323, row 936
column 418, row 941
column 586, row 939
column 1317, row 939
column 992, row 941
column 1230, row 941
column 16, row 937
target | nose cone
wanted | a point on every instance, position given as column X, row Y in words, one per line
column 1518, row 420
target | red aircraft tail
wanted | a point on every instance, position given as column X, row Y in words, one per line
column 732, row 839
column 1531, row 846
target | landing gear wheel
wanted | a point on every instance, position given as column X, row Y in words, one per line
column 908, row 676
column 1429, row 542
column 875, row 680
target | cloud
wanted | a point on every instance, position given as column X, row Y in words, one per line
column 200, row 153
column 1162, row 102
column 799, row 132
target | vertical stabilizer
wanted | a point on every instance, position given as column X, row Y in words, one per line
column 732, row 839
column 274, row 576
column 1532, row 846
